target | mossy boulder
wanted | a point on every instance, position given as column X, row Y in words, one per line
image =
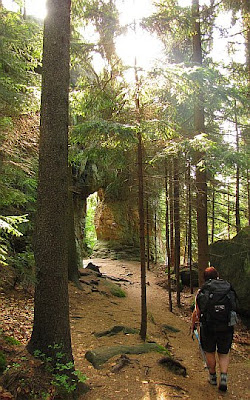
column 232, row 259
column 99, row 356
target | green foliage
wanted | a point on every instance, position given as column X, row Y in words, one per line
column 9, row 225
column 103, row 133
column 151, row 318
column 161, row 349
column 115, row 290
column 20, row 53
column 3, row 252
column 90, row 232
column 103, row 139
column 11, row 340
column 24, row 266
column 103, row 15
column 63, row 373
column 173, row 25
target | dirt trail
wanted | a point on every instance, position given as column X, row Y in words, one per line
column 144, row 378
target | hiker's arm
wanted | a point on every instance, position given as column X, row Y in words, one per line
column 195, row 317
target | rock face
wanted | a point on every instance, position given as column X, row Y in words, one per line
column 117, row 221
column 232, row 259
column 185, row 277
column 117, row 228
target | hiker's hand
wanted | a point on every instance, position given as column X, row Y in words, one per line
column 191, row 330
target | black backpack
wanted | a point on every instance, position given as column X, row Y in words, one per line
column 216, row 301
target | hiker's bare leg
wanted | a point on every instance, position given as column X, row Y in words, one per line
column 211, row 362
column 223, row 362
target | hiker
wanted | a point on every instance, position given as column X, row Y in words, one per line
column 215, row 307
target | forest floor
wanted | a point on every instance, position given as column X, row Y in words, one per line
column 94, row 309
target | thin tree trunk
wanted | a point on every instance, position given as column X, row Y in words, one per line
column 148, row 240
column 143, row 329
column 190, row 227
column 80, row 210
column 201, row 179
column 185, row 253
column 202, row 223
column 73, row 255
column 177, row 228
column 171, row 202
column 168, row 257
column 246, row 23
column 237, row 190
column 248, row 196
column 228, row 212
column 213, row 214
column 155, row 234
column 24, row 10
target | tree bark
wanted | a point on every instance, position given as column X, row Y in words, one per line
column 74, row 259
column 143, row 328
column 190, row 227
column 199, row 127
column 248, row 196
column 168, row 257
column 246, row 23
column 171, row 202
column 148, row 239
column 201, row 187
column 228, row 212
column 155, row 233
column 185, row 252
column 177, row 229
column 213, row 214
column 80, row 210
column 237, row 183
column 51, row 316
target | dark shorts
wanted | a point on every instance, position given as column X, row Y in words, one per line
column 220, row 341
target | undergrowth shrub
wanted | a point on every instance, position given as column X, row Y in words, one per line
column 115, row 290
column 3, row 362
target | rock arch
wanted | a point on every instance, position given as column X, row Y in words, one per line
column 116, row 219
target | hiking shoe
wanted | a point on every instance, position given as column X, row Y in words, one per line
column 223, row 382
column 212, row 379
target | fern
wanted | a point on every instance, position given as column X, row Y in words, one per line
column 9, row 225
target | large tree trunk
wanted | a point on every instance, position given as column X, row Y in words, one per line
column 51, row 317
column 199, row 127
